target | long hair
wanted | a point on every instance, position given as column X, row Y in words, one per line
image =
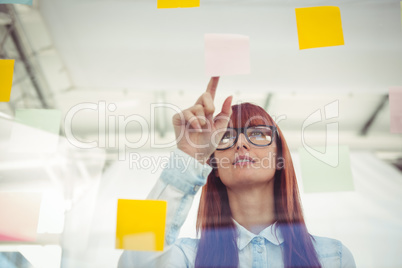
column 217, row 246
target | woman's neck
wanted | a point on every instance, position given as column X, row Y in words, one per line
column 253, row 207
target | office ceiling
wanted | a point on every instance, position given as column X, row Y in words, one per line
column 135, row 46
column 132, row 54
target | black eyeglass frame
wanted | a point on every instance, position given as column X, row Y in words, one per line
column 244, row 131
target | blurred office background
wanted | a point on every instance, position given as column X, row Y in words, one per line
column 124, row 58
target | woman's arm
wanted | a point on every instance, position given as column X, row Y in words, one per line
column 197, row 133
column 178, row 184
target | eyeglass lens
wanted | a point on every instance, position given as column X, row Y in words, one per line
column 259, row 135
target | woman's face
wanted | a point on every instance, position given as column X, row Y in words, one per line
column 245, row 164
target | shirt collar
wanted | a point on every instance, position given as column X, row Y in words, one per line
column 245, row 236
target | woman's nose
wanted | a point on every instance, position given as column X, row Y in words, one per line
column 242, row 142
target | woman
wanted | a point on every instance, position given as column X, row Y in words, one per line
column 250, row 213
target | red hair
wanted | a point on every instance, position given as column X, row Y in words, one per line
column 218, row 243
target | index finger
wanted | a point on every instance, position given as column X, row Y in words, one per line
column 212, row 85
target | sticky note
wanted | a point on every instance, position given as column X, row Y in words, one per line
column 140, row 224
column 177, row 3
column 319, row 27
column 318, row 176
column 35, row 130
column 395, row 107
column 19, row 214
column 6, row 79
column 227, row 54
column 25, row 2
column 45, row 119
column 190, row 3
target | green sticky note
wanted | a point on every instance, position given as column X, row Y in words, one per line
column 24, row 2
column 35, row 131
column 319, row 176
column 43, row 119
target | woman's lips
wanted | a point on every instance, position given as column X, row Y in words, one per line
column 243, row 160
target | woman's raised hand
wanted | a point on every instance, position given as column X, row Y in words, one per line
column 197, row 131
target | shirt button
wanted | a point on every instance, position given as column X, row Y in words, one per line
column 260, row 249
column 196, row 187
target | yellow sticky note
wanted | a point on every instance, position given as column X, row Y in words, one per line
column 319, row 27
column 140, row 224
column 190, row 3
column 177, row 3
column 6, row 79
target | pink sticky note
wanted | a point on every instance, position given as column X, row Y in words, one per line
column 19, row 214
column 395, row 106
column 227, row 54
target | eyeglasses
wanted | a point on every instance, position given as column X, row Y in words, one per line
column 257, row 135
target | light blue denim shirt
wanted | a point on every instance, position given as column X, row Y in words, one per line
column 178, row 184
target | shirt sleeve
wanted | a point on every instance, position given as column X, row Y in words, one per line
column 347, row 260
column 179, row 182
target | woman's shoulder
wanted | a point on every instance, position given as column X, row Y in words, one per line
column 332, row 251
column 187, row 245
column 326, row 246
